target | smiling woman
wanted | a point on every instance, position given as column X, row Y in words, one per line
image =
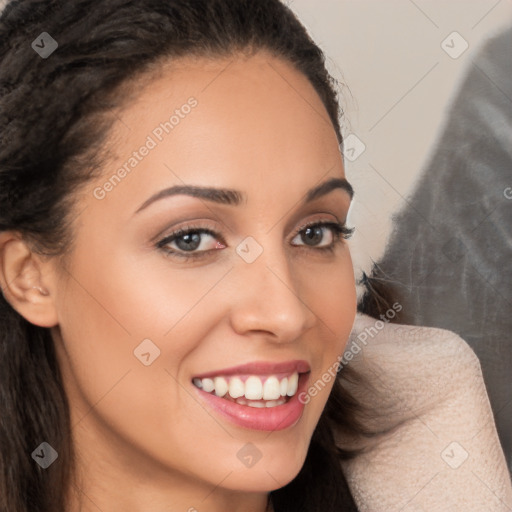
column 174, row 265
column 178, row 290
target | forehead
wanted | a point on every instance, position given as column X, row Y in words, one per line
column 254, row 92
column 238, row 121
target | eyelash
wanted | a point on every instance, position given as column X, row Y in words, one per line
column 340, row 232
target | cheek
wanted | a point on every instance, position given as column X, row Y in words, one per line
column 335, row 303
column 332, row 296
column 107, row 310
column 123, row 300
column 115, row 310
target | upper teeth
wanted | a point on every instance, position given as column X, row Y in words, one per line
column 254, row 387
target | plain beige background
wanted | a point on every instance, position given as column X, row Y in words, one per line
column 397, row 81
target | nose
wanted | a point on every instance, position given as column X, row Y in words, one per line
column 267, row 298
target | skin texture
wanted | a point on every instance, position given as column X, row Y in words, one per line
column 144, row 439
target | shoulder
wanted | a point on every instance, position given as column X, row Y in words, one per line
column 438, row 446
column 374, row 333
column 422, row 364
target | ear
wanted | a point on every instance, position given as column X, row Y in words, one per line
column 26, row 281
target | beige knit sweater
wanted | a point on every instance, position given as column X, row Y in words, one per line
column 442, row 453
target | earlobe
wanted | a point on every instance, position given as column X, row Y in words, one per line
column 22, row 278
column 43, row 291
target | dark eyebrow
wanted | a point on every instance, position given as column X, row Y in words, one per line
column 234, row 197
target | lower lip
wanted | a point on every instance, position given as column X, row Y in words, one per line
column 254, row 418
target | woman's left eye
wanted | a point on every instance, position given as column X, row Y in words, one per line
column 189, row 243
column 315, row 232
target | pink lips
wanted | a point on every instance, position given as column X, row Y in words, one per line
column 260, row 368
column 272, row 418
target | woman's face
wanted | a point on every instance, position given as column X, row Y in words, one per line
column 245, row 302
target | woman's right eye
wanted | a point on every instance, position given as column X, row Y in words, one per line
column 189, row 242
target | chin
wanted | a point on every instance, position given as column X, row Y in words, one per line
column 269, row 473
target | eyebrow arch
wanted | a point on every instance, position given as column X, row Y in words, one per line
column 234, row 197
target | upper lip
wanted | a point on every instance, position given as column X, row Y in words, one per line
column 261, row 368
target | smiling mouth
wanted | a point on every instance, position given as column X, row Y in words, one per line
column 257, row 391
